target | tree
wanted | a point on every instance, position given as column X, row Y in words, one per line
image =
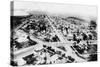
column 93, row 24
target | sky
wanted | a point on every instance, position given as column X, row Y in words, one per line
column 23, row 7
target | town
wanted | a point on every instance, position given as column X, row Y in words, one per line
column 48, row 39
